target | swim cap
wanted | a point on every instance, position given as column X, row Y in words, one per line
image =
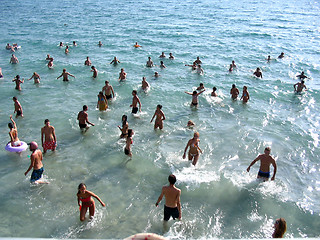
column 33, row 145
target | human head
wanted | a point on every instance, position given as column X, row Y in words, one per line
column 124, row 118
column 198, row 58
column 190, row 123
column 201, row 84
column 122, row 69
column 18, row 77
column 149, row 58
column 93, row 67
column 194, row 93
column 134, row 92
column 245, row 88
column 10, row 125
column 196, row 135
column 85, row 108
column 100, row 93
column 81, row 187
column 106, row 82
column 302, row 81
column 267, row 150
column 233, row 85
column 156, row 74
column 280, row 227
column 302, row 73
column 232, row 61
column 87, row 58
column 14, row 99
column 47, row 122
column 33, row 146
column 143, row 78
column 161, row 62
column 172, row 179
column 64, row 70
column 159, row 106
column 214, row 89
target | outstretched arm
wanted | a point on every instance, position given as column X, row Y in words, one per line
column 200, row 92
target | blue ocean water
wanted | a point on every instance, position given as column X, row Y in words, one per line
column 219, row 198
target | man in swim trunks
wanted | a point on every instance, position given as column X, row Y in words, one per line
column 87, row 62
column 265, row 161
column 17, row 107
column 122, row 75
column 193, row 154
column 65, row 75
column 83, row 119
column 14, row 59
column 172, row 207
column 301, row 76
column 234, row 92
column 13, row 133
column 95, row 71
column 108, row 90
column 36, row 164
column 135, row 101
column 298, row 87
column 50, row 140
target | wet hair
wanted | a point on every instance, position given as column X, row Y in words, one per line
column 281, row 229
column 106, row 82
column 10, row 125
column 64, row 70
column 129, row 133
column 100, row 93
column 233, row 85
column 135, row 92
column 267, row 149
column 14, row 98
column 172, row 179
column 93, row 67
column 80, row 186
column 18, row 77
column 45, row 121
column 125, row 117
column 302, row 81
column 214, row 88
column 159, row 106
column 161, row 62
column 201, row 84
column 85, row 107
column 194, row 92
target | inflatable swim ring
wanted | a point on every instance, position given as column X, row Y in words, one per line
column 146, row 236
column 21, row 148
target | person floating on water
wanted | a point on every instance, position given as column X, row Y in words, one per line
column 195, row 95
column 48, row 58
column 84, row 196
column 171, row 56
column 13, row 133
column 233, row 63
column 137, row 45
column 115, row 61
column 301, row 76
column 145, row 85
column 198, row 61
column 245, row 95
column 14, row 59
column 156, row 75
column 95, row 72
column 149, row 62
column 258, row 73
column 280, row 227
column 36, row 164
column 281, row 55
column 18, row 82
column 102, row 103
column 36, row 78
column 194, row 149
column 83, row 119
column 17, row 107
column 190, row 124
column 160, row 117
column 230, row 68
column 172, row 206
column 125, row 126
column 135, row 101
column 199, row 69
column 122, row 75
column 65, row 75
column 108, row 90
column 298, row 87
column 265, row 161
column 48, row 137
column 87, row 62
column 214, row 94
column 129, row 142
column 100, row 44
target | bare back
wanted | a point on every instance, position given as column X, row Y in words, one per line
column 172, row 196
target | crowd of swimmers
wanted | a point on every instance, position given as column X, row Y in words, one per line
column 172, row 207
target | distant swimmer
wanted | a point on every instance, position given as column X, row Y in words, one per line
column 122, row 75
column 17, row 107
column 280, row 227
column 281, row 55
column 302, row 76
column 125, row 126
column 85, row 197
column 100, row 44
column 66, row 51
column 115, row 61
column 233, row 63
column 137, row 45
column 36, row 164
column 245, row 95
column 50, row 63
column 162, row 64
column 193, row 66
column 149, row 62
column 16, row 46
column 13, row 133
column 135, row 102
column 14, row 59
column 162, row 55
column 190, row 124
column 265, row 161
column 18, row 82
column 156, row 74
column 74, row 43
column 268, row 58
column 230, row 68
column 171, row 56
column 195, row 95
column 102, row 103
column 87, row 62
column 160, row 117
column 65, row 75
column 48, row 58
column 201, row 87
column 258, row 73
column 199, row 70
column 234, row 92
column 48, row 137
column 145, row 84
column 36, row 78
column 214, row 94
column 8, row 46
column 61, row 44
column 194, row 149
column 298, row 87
column 172, row 207
column 108, row 90
column 83, row 119
column 198, row 61
column 95, row 72
column 129, row 142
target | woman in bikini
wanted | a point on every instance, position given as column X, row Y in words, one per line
column 13, row 133
column 129, row 142
column 87, row 202
column 195, row 95
column 193, row 154
column 102, row 103
column 125, row 127
column 245, row 95
column 36, row 77
column 159, row 119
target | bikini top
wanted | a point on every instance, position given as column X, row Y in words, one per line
column 88, row 199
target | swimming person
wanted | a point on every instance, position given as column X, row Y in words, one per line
column 149, row 62
column 245, row 95
column 17, row 107
column 50, row 63
column 265, row 161
column 194, row 149
column 281, row 55
column 301, row 76
column 195, row 95
column 162, row 55
column 87, row 62
column 65, row 75
column 122, row 75
column 159, row 117
column 199, row 69
column 13, row 133
column 129, row 142
column 145, row 84
column 95, row 71
column 102, row 103
column 171, row 56
column 298, row 87
column 234, row 92
column 258, row 73
column 49, row 136
column 100, row 44
column 156, row 74
column 125, row 126
column 280, row 227
column 137, row 45
column 84, row 196
column 66, row 51
column 230, row 68
column 36, row 78
column 14, row 59
column 115, row 61
column 83, row 119
column 201, row 87
column 198, row 61
column 135, row 101
column 172, row 207
column 162, row 64
column 233, row 64
column 214, row 94
column 193, row 66
column 108, row 90
column 36, row 164
column 18, row 82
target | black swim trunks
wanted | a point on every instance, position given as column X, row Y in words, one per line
column 108, row 96
column 82, row 125
column 19, row 113
column 194, row 104
column 135, row 110
column 264, row 174
column 126, row 151
column 170, row 212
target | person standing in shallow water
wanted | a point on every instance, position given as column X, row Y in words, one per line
column 245, row 95
column 95, row 72
column 83, row 119
column 17, row 107
column 135, row 101
column 49, row 136
column 18, row 82
column 234, row 92
column 102, row 103
column 129, row 142
column 125, row 126
column 280, row 227
column 159, row 117
column 65, row 75
column 194, row 149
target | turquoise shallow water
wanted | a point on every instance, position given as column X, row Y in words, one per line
column 219, row 198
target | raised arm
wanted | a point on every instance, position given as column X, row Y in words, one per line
column 200, row 92
column 13, row 122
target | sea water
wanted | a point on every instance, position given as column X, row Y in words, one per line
column 219, row 198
